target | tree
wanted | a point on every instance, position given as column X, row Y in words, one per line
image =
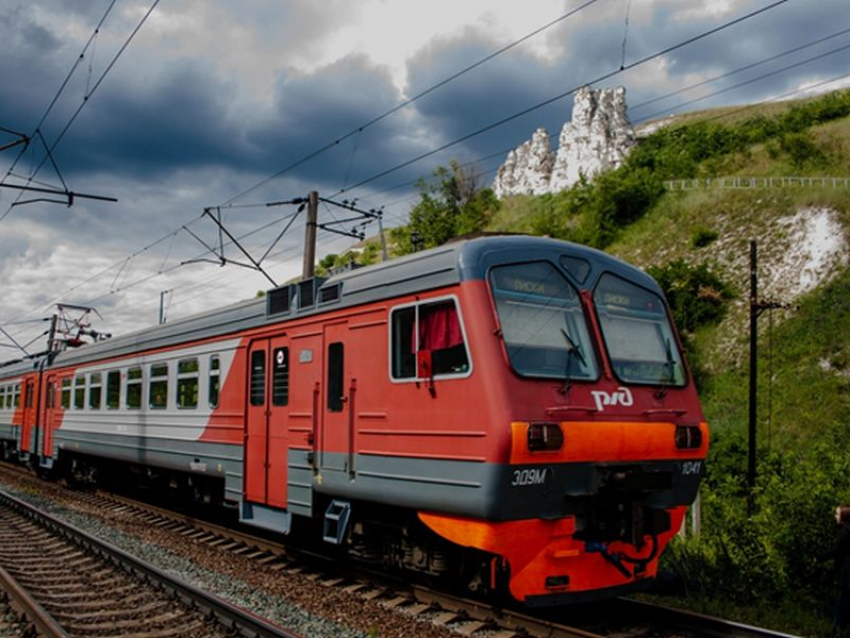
column 450, row 204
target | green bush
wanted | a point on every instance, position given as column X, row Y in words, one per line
column 702, row 237
column 612, row 201
column 772, row 552
column 679, row 152
column 801, row 149
column 696, row 295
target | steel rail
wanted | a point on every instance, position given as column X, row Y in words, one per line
column 43, row 622
column 627, row 610
column 504, row 618
column 688, row 620
column 229, row 615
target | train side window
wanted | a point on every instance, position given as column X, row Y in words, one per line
column 187, row 383
column 428, row 327
column 79, row 392
column 158, row 386
column 133, row 398
column 336, row 370
column 66, row 393
column 28, row 392
column 2, row 397
column 16, row 402
column 403, row 345
column 95, row 390
column 215, row 380
column 280, row 377
column 258, row 377
column 113, row 390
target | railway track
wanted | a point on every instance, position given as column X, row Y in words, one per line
column 620, row 617
column 628, row 617
column 69, row 583
column 691, row 622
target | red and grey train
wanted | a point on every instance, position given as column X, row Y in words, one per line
column 511, row 411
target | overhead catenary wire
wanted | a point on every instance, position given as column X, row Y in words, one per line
column 88, row 96
column 64, row 84
column 231, row 202
column 790, row 94
column 327, row 240
column 779, row 98
column 741, row 69
column 251, row 233
column 630, row 66
column 411, row 100
column 561, row 96
column 750, row 81
column 399, row 216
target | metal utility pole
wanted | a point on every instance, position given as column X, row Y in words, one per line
column 754, row 310
column 384, row 256
column 51, row 335
column 309, row 267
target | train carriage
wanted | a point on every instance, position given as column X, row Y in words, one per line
column 18, row 389
column 512, row 411
column 10, row 418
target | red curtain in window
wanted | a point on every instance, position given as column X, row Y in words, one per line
column 439, row 328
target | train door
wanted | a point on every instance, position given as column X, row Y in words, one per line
column 337, row 425
column 48, row 416
column 266, row 434
column 28, row 418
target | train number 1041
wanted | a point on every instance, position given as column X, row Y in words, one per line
column 691, row 468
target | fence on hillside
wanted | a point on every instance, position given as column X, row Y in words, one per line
column 756, row 182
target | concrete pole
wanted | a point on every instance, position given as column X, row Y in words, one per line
column 309, row 267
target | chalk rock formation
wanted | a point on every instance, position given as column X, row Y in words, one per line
column 527, row 169
column 598, row 138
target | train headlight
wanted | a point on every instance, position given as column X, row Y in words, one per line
column 545, row 437
column 688, row 437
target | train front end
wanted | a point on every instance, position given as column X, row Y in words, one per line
column 604, row 441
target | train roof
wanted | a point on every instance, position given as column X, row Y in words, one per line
column 17, row 367
column 439, row 267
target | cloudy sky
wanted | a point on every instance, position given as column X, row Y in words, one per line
column 222, row 104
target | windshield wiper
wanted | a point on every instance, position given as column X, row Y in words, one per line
column 573, row 349
column 671, row 364
column 670, row 371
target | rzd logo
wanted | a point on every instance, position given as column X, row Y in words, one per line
column 622, row 396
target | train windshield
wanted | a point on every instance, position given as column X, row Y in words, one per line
column 637, row 333
column 543, row 325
